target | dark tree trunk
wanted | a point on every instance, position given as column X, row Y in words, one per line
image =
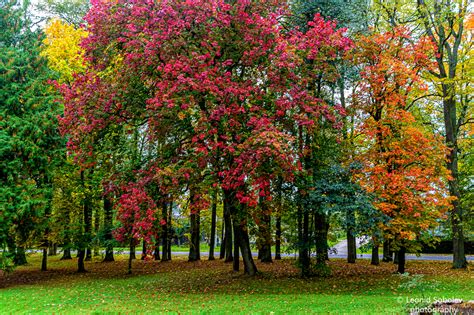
column 244, row 244
column 20, row 256
column 96, row 231
column 108, row 223
column 265, row 250
column 80, row 260
column 213, row 226
column 194, row 246
column 143, row 251
column 164, row 233
column 278, row 238
column 401, row 260
column 222, row 251
column 395, row 258
column 375, row 255
column 88, row 254
column 156, row 253
column 53, row 249
column 236, row 256
column 169, row 225
column 387, row 253
column 351, row 237
column 321, row 231
column 304, row 258
column 239, row 215
column 44, row 260
column 87, row 214
column 66, row 254
column 228, row 232
column 132, row 254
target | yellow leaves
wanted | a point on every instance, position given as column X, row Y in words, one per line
column 61, row 48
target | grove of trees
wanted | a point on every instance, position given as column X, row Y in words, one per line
column 265, row 124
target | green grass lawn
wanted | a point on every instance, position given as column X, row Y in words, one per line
column 212, row 288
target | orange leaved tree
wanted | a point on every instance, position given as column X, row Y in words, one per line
column 404, row 162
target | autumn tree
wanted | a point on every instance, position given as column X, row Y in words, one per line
column 404, row 162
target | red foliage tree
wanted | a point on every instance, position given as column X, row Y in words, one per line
column 223, row 83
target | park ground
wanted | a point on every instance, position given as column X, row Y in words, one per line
column 210, row 287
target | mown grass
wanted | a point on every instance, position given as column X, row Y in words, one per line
column 212, row 288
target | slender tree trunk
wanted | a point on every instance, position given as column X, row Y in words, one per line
column 20, row 256
column 449, row 104
column 387, row 253
column 401, row 260
column 278, row 237
column 375, row 255
column 156, row 253
column 108, row 223
column 351, row 237
column 321, row 227
column 96, row 251
column 249, row 265
column 305, row 259
column 66, row 254
column 265, row 250
column 80, row 260
column 169, row 225
column 44, row 260
column 223, row 242
column 213, row 226
column 143, row 251
column 228, row 231
column 52, row 249
column 395, row 258
column 194, row 246
column 238, row 214
column 132, row 254
column 164, row 233
column 236, row 256
column 87, row 209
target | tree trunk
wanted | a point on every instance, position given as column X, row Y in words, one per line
column 321, row 230
column 236, row 256
column 20, row 256
column 169, row 225
column 228, row 231
column 80, row 260
column 87, row 213
column 66, row 254
column 395, row 258
column 53, row 249
column 156, row 254
column 213, row 226
column 375, row 255
column 304, row 258
column 223, row 242
column 351, row 237
column 96, row 231
column 132, row 254
column 194, row 246
column 143, row 251
column 387, row 253
column 278, row 238
column 239, row 216
column 164, row 232
column 265, row 250
column 44, row 260
column 401, row 260
column 108, row 223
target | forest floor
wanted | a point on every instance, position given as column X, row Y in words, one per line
column 210, row 287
